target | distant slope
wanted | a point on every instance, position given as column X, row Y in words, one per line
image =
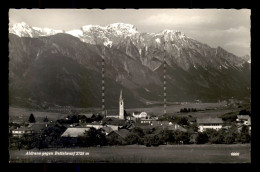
column 58, row 79
column 66, row 70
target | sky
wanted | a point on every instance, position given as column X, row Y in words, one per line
column 228, row 28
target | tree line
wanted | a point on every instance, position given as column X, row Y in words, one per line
column 51, row 137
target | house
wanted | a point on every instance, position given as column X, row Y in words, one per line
column 19, row 122
column 112, row 116
column 243, row 119
column 85, row 117
column 249, row 124
column 38, row 127
column 71, row 135
column 209, row 123
column 114, row 121
column 175, row 127
column 114, row 127
column 147, row 120
column 191, row 120
column 161, row 123
column 245, row 123
column 140, row 115
column 95, row 125
column 21, row 131
column 130, row 126
column 121, row 134
column 106, row 130
column 74, row 132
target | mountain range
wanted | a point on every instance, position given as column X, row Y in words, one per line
column 64, row 67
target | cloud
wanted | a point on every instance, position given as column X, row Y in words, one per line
column 235, row 40
column 167, row 19
column 198, row 18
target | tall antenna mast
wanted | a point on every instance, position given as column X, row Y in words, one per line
column 164, row 83
column 103, row 80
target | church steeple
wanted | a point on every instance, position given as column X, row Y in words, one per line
column 120, row 98
column 121, row 106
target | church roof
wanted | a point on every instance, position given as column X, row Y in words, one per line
column 121, row 96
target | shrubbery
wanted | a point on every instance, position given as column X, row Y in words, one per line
column 223, row 136
column 186, row 110
column 92, row 137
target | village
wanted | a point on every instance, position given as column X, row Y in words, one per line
column 126, row 128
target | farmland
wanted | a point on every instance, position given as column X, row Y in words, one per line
column 22, row 114
column 142, row 154
column 208, row 110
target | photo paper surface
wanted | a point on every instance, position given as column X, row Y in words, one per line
column 129, row 86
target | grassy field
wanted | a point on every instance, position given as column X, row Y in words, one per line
column 22, row 114
column 142, row 154
column 209, row 110
column 212, row 109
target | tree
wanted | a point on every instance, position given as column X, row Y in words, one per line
column 244, row 136
column 194, row 127
column 31, row 118
column 152, row 140
column 212, row 135
column 229, row 138
column 113, row 140
column 244, row 112
column 167, row 137
column 148, row 140
column 132, row 139
column 220, row 137
column 181, row 137
column 202, row 138
column 48, row 137
column 92, row 137
column 74, row 119
column 182, row 121
column 125, row 113
column 45, row 119
column 138, row 131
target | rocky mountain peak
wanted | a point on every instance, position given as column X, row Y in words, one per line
column 122, row 29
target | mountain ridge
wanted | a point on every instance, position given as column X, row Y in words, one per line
column 135, row 63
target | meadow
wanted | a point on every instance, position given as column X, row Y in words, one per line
column 22, row 114
column 208, row 110
column 142, row 154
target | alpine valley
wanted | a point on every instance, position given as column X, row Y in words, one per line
column 58, row 67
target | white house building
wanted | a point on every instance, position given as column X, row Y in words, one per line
column 140, row 115
column 209, row 123
column 243, row 119
column 21, row 131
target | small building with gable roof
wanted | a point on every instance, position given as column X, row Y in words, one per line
column 209, row 123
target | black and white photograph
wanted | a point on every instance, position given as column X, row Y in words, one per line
column 129, row 86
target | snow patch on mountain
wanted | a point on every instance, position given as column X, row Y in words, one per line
column 88, row 28
column 47, row 31
column 24, row 30
column 158, row 40
column 21, row 30
column 108, row 43
column 77, row 33
column 122, row 29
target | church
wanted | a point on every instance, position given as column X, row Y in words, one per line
column 121, row 109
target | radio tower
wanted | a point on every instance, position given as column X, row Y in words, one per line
column 103, row 82
column 164, row 83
